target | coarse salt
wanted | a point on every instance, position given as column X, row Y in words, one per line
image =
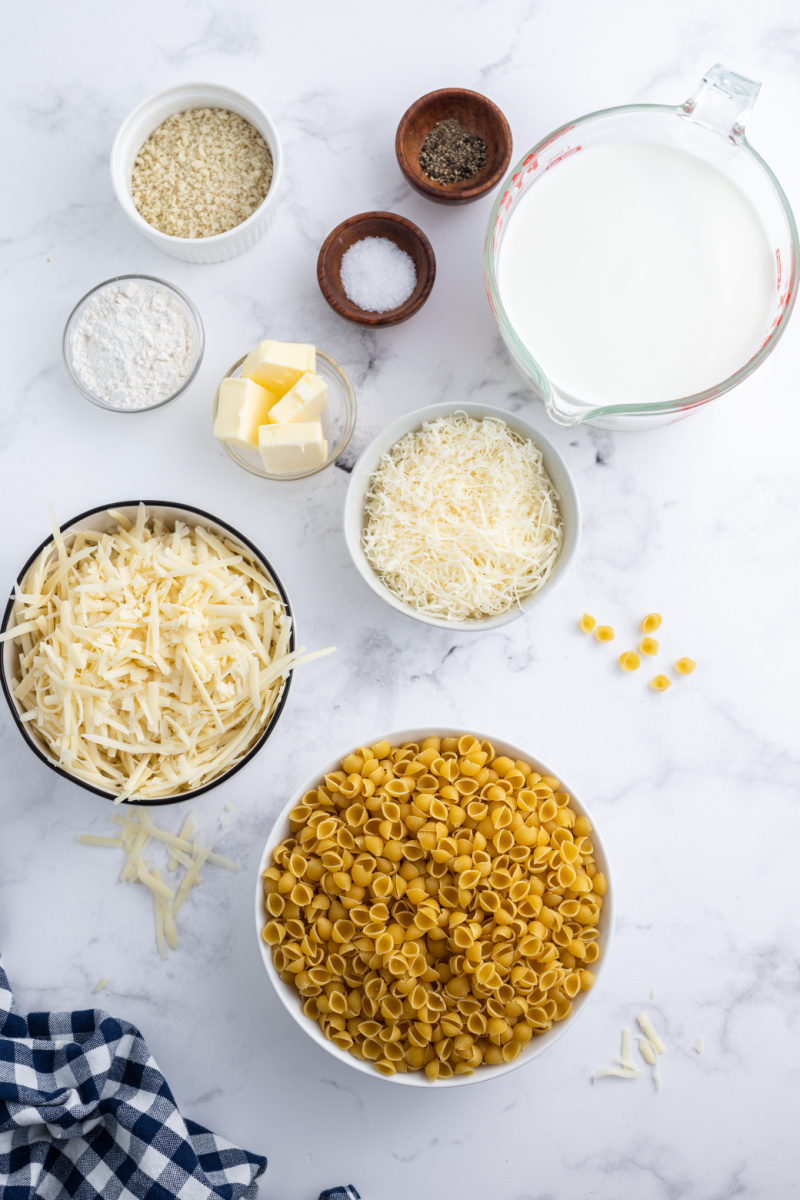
column 377, row 275
column 134, row 345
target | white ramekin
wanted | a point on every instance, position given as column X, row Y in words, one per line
column 148, row 116
column 291, row 998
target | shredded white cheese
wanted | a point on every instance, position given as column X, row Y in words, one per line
column 649, row 1032
column 625, row 1059
column 462, row 520
column 650, row 1047
column 627, row 1068
column 150, row 658
column 101, row 984
column 698, row 1045
column 617, row 1072
column 135, row 834
column 647, row 1052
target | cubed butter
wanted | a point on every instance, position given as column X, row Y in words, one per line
column 303, row 402
column 277, row 366
column 298, row 446
column 243, row 406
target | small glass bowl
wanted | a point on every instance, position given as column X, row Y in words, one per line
column 338, row 420
column 192, row 315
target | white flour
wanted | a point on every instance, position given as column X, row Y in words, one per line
column 134, row 345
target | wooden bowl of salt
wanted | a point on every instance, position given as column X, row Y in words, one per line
column 375, row 273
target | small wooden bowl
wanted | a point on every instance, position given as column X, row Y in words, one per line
column 477, row 115
column 404, row 234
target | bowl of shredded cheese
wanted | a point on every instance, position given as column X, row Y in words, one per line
column 147, row 651
column 434, row 907
column 461, row 516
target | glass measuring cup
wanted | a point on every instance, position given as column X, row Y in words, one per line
column 710, row 126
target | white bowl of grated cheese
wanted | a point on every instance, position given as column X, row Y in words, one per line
column 146, row 118
column 505, row 489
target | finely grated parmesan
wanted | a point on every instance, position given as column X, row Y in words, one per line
column 462, row 520
column 150, row 659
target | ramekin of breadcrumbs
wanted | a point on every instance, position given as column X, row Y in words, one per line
column 197, row 169
column 434, row 907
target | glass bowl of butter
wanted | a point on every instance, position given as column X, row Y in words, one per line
column 285, row 410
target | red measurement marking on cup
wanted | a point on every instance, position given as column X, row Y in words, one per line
column 564, row 154
column 561, row 133
column 778, row 261
column 530, row 164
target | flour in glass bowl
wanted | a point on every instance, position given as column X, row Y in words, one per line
column 134, row 345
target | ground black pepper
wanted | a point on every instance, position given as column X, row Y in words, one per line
column 451, row 155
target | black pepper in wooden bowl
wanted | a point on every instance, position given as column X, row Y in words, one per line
column 453, row 145
column 451, row 155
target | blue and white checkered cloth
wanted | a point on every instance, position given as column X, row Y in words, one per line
column 86, row 1113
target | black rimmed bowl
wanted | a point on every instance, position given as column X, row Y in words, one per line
column 100, row 519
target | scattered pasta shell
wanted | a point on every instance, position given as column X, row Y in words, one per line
column 651, row 623
column 604, row 633
column 586, row 623
column 629, row 661
column 648, row 646
column 660, row 683
column 685, row 666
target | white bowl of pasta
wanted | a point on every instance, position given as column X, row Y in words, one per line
column 400, row 941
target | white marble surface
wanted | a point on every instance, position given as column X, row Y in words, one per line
column 695, row 790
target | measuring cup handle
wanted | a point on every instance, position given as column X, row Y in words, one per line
column 723, row 101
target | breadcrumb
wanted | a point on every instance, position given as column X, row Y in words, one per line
column 201, row 172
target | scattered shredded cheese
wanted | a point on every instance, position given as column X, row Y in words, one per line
column 136, row 833
column 650, row 1033
column 100, row 985
column 647, row 1052
column 627, row 1068
column 698, row 1045
column 652, row 993
column 187, row 829
column 617, row 1072
column 150, row 659
column 625, row 1053
column 462, row 520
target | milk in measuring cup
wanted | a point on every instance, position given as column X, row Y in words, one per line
column 634, row 272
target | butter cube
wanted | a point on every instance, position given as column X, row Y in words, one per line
column 277, row 366
column 243, row 406
column 303, row 402
column 298, row 446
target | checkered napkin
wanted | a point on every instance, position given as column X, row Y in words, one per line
column 85, row 1112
